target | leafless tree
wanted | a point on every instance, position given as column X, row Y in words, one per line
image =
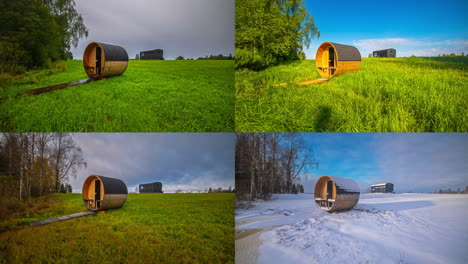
column 67, row 158
column 37, row 163
column 268, row 163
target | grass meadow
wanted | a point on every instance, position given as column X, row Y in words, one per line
column 385, row 95
column 149, row 228
column 151, row 96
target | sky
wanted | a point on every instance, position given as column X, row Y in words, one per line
column 418, row 162
column 186, row 161
column 185, row 28
column 420, row 28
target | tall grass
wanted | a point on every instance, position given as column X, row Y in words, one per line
column 149, row 228
column 151, row 96
column 385, row 95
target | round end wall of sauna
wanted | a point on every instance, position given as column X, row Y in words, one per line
column 102, row 193
column 333, row 59
column 102, row 60
column 333, row 193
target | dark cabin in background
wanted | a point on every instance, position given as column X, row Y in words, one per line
column 386, row 53
column 154, row 187
column 382, row 188
column 156, row 54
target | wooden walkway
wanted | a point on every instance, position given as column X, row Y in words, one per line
column 58, row 86
column 303, row 83
column 52, row 88
column 61, row 218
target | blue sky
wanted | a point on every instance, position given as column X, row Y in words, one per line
column 419, row 162
column 421, row 28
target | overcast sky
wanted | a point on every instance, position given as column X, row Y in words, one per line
column 186, row 161
column 419, row 162
column 188, row 28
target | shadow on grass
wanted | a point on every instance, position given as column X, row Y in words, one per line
column 323, row 123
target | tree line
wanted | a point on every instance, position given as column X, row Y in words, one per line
column 267, row 163
column 269, row 32
column 36, row 32
column 36, row 164
column 211, row 57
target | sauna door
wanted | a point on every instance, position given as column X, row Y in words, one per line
column 98, row 60
column 329, row 190
column 331, row 61
column 97, row 193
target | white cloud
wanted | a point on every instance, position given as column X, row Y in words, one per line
column 408, row 46
column 422, row 162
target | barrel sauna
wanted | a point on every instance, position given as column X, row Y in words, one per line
column 104, row 60
column 102, row 193
column 333, row 59
column 333, row 193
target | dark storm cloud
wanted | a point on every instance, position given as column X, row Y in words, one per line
column 186, row 28
column 187, row 161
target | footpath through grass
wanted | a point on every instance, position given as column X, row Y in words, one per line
column 385, row 95
column 151, row 96
column 149, row 228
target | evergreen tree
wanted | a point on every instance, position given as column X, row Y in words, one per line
column 294, row 189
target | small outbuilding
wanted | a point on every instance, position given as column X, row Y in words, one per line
column 333, row 59
column 334, row 193
column 382, row 188
column 386, row 53
column 154, row 187
column 156, row 54
column 102, row 60
column 102, row 193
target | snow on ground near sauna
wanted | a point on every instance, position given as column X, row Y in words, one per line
column 382, row 228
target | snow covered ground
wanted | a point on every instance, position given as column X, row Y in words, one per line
column 382, row 228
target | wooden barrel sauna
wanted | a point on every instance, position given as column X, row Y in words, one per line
column 102, row 193
column 333, row 59
column 336, row 193
column 104, row 60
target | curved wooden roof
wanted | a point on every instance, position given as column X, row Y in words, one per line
column 113, row 52
column 345, row 185
column 347, row 52
column 113, row 185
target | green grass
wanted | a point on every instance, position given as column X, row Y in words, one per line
column 151, row 96
column 37, row 209
column 385, row 95
column 149, row 228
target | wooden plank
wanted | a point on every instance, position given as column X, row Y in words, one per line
column 58, row 86
column 311, row 82
column 51, row 88
column 61, row 218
